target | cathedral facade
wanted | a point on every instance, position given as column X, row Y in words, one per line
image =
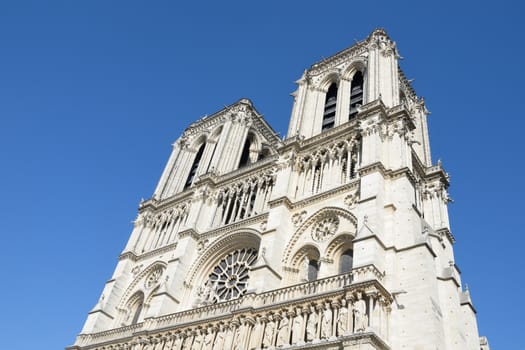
column 335, row 237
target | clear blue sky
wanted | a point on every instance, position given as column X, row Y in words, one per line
column 93, row 93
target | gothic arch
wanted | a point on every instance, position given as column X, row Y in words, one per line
column 243, row 238
column 134, row 286
column 329, row 79
column 311, row 250
column 134, row 308
column 198, row 141
column 324, row 212
column 358, row 64
column 340, row 242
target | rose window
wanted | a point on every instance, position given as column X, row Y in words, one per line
column 229, row 279
column 325, row 228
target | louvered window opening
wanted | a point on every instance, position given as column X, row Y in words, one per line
column 356, row 94
column 330, row 107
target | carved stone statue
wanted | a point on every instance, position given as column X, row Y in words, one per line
column 208, row 339
column 311, row 325
column 342, row 319
column 326, row 322
column 238, row 338
column 255, row 339
column 361, row 320
column 228, row 339
column 283, row 333
column 197, row 342
column 218, row 344
column 187, row 342
column 206, row 294
column 297, row 327
column 306, row 263
column 268, row 333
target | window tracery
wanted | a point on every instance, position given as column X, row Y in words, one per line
column 327, row 167
column 243, row 199
column 229, row 278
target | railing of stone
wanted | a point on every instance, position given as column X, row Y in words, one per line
column 352, row 307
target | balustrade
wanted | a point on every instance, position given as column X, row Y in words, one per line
column 325, row 310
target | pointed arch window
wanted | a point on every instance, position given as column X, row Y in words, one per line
column 195, row 166
column 138, row 311
column 135, row 308
column 346, row 261
column 245, row 156
column 330, row 105
column 356, row 93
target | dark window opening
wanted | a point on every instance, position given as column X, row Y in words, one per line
column 313, row 270
column 194, row 167
column 245, row 156
column 330, row 105
column 356, row 94
column 137, row 313
column 346, row 261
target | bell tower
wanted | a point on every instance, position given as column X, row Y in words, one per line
column 335, row 237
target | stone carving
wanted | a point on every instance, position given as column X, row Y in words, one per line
column 257, row 333
column 136, row 270
column 298, row 218
column 228, row 339
column 207, row 294
column 297, row 326
column 201, row 246
column 268, row 333
column 153, row 277
column 197, row 342
column 208, row 339
column 361, row 320
column 326, row 322
column 187, row 342
column 342, row 319
column 325, row 228
column 311, row 325
column 219, row 339
column 351, row 200
column 283, row 332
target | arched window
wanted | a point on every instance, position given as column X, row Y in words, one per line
column 313, row 269
column 356, row 94
column 135, row 307
column 346, row 261
column 245, row 156
column 194, row 166
column 329, row 107
column 137, row 312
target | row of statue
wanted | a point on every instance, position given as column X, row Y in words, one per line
column 314, row 323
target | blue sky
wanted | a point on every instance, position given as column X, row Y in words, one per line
column 93, row 93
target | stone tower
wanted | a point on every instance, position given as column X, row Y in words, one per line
column 336, row 237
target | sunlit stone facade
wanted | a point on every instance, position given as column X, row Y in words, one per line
column 336, row 237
